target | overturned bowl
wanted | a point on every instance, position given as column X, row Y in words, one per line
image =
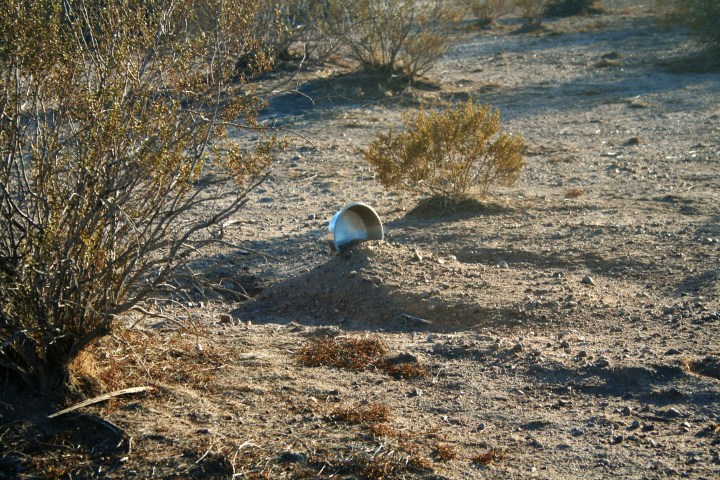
column 356, row 222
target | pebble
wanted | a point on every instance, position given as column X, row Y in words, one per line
column 588, row 280
column 602, row 362
column 503, row 265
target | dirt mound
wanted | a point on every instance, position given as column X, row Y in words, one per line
column 387, row 286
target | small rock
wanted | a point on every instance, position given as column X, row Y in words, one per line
column 291, row 457
column 617, row 440
column 565, row 344
column 602, row 362
column 626, row 411
column 225, row 318
column 673, row 351
column 673, row 413
column 634, row 425
column 503, row 265
column 417, row 255
column 588, row 280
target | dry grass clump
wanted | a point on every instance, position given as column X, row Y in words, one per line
column 347, row 353
column 405, row 370
column 445, row 453
column 358, row 354
column 372, row 413
column 575, row 192
column 491, row 456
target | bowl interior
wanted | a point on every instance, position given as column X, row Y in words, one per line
column 356, row 222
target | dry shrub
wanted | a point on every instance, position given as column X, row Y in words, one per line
column 448, row 153
column 348, row 353
column 491, row 456
column 567, row 8
column 532, row 11
column 114, row 164
column 701, row 16
column 487, row 12
column 393, row 37
column 293, row 29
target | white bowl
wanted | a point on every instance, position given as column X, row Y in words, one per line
column 356, row 222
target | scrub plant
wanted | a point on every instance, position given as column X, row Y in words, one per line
column 532, row 11
column 449, row 153
column 114, row 162
column 700, row 16
column 487, row 12
column 397, row 38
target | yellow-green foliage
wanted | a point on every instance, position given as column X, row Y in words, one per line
column 448, row 153
column 113, row 114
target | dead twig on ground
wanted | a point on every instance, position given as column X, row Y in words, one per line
column 101, row 398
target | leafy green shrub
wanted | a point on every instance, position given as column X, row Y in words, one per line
column 394, row 37
column 448, row 153
column 701, row 16
column 114, row 168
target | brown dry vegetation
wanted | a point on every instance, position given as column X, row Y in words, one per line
column 531, row 334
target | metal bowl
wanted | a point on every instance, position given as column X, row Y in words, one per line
column 356, row 222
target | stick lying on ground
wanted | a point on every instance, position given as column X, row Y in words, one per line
column 101, row 398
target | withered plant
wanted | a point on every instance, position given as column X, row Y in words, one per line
column 115, row 168
column 448, row 153
column 348, row 353
column 532, row 11
column 701, row 16
column 397, row 38
column 487, row 12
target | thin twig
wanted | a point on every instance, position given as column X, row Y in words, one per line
column 101, row 398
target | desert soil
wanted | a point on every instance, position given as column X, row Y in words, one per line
column 565, row 327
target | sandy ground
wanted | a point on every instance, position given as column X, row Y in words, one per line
column 566, row 327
